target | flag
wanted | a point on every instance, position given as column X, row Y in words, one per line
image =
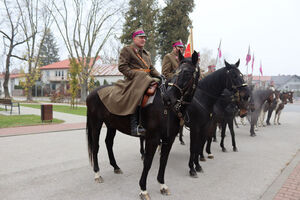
column 189, row 47
column 248, row 57
column 260, row 69
column 252, row 62
column 219, row 50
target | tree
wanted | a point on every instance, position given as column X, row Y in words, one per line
column 142, row 14
column 35, row 20
column 13, row 36
column 73, row 80
column 85, row 31
column 173, row 24
column 49, row 50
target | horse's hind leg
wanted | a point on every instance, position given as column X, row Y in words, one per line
column 109, row 141
column 208, row 145
column 95, row 134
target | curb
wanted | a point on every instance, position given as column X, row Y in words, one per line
column 274, row 188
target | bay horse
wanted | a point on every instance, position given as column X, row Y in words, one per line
column 159, row 118
column 284, row 97
column 200, row 111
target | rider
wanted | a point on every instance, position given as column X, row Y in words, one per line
column 125, row 96
column 171, row 61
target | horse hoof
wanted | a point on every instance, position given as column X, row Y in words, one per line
column 182, row 143
column 165, row 191
column 235, row 149
column 199, row 169
column 144, row 196
column 118, row 171
column 224, row 149
column 210, row 156
column 279, row 123
column 142, row 158
column 202, row 159
column 253, row 135
column 193, row 174
column 215, row 140
column 99, row 179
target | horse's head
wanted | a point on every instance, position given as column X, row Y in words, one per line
column 290, row 96
column 182, row 86
column 235, row 82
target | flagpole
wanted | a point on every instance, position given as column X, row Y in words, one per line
column 192, row 40
column 247, row 61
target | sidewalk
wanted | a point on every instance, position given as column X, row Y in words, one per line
column 71, row 122
column 287, row 185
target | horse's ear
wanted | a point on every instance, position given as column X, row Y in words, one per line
column 195, row 58
column 180, row 56
column 237, row 63
column 227, row 64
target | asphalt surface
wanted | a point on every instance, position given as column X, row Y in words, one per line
column 55, row 166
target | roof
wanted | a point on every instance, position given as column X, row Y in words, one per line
column 64, row 64
column 12, row 75
column 106, row 70
column 261, row 78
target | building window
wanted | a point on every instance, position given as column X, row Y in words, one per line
column 55, row 73
column 62, row 73
column 58, row 73
column 47, row 73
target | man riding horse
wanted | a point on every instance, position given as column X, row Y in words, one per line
column 125, row 96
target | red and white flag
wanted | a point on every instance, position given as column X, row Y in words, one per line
column 252, row 63
column 260, row 69
column 248, row 57
column 219, row 50
column 189, row 47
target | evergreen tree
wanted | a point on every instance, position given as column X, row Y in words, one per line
column 142, row 14
column 49, row 50
column 173, row 24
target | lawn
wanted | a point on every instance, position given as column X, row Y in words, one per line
column 61, row 108
column 23, row 120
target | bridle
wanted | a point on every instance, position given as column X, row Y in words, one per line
column 188, row 90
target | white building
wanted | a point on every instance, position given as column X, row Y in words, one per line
column 14, row 80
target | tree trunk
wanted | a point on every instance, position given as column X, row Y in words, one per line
column 83, row 91
column 29, row 93
column 6, row 77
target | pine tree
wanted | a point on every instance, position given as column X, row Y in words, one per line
column 173, row 24
column 142, row 14
column 49, row 50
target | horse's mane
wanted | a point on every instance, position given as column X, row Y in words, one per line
column 210, row 80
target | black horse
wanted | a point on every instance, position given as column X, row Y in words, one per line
column 161, row 122
column 200, row 110
column 227, row 107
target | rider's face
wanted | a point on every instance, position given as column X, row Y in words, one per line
column 177, row 49
column 139, row 41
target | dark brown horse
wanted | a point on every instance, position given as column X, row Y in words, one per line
column 160, row 120
column 200, row 111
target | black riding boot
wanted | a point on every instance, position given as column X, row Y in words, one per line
column 136, row 130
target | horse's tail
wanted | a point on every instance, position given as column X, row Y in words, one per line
column 89, row 135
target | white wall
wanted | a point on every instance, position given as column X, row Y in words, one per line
column 109, row 79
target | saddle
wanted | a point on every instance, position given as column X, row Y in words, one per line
column 149, row 92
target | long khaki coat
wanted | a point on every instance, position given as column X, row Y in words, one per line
column 170, row 64
column 123, row 97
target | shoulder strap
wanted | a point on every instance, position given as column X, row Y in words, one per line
column 138, row 55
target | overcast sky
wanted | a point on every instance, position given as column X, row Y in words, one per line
column 270, row 27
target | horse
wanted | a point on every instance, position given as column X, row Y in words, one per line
column 257, row 99
column 161, row 120
column 284, row 97
column 224, row 112
column 200, row 111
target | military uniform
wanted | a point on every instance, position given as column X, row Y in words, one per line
column 170, row 64
column 125, row 95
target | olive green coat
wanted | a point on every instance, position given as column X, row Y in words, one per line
column 123, row 97
column 170, row 64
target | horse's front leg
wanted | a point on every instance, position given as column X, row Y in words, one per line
column 181, row 135
column 142, row 149
column 150, row 148
column 224, row 123
column 193, row 151
column 230, row 125
column 109, row 141
column 164, row 155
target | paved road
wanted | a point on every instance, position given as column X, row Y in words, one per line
column 55, row 166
